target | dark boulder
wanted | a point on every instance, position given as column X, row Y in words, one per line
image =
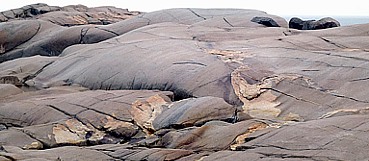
column 295, row 23
column 327, row 22
column 266, row 21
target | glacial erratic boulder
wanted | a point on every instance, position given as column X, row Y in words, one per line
column 327, row 22
column 266, row 21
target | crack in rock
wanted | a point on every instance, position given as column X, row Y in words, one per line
column 196, row 14
column 225, row 20
column 292, row 96
column 31, row 76
column 83, row 34
column 190, row 62
column 243, row 137
column 360, row 79
column 333, row 43
column 112, row 32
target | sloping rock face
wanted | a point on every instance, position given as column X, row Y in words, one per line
column 184, row 84
column 69, row 15
column 189, row 69
column 44, row 34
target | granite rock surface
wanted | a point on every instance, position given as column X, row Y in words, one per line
column 180, row 84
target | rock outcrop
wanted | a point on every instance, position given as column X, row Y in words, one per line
column 324, row 23
column 69, row 15
column 182, row 84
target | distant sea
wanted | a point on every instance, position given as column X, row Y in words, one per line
column 344, row 20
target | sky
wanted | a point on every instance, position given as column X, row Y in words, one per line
column 277, row 7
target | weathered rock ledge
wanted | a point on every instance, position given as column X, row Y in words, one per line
column 71, row 15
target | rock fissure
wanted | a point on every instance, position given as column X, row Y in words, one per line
column 360, row 79
column 8, row 157
column 350, row 98
column 171, row 15
column 196, row 14
column 190, row 62
column 341, row 56
column 333, row 43
column 108, row 78
column 14, row 124
column 288, row 156
column 292, row 96
column 31, row 76
column 225, row 20
column 83, row 34
column 148, row 20
column 284, row 148
column 100, row 112
column 44, row 144
column 112, row 32
column 294, row 44
column 57, row 109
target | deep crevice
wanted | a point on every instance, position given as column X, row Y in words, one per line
column 57, row 109
column 83, row 34
column 31, row 76
column 8, row 157
column 44, row 144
